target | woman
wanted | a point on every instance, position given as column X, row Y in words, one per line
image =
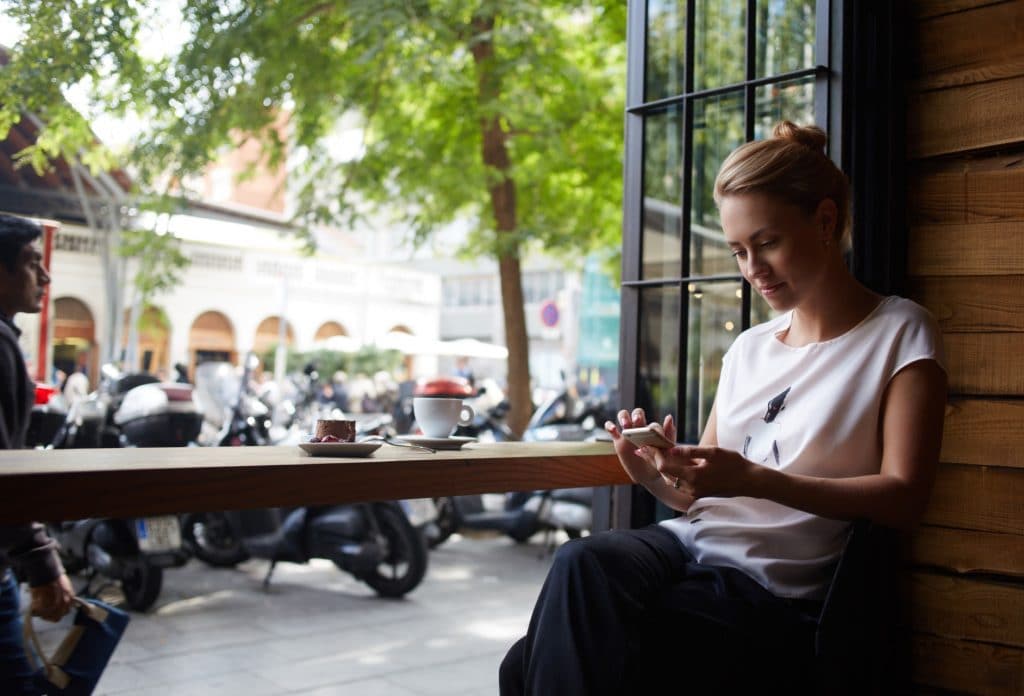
column 832, row 411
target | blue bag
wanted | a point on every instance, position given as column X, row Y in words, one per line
column 79, row 661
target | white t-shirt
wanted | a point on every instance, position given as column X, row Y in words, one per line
column 811, row 410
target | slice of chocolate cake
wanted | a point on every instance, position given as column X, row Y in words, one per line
column 344, row 430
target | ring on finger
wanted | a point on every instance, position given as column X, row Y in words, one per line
column 676, row 484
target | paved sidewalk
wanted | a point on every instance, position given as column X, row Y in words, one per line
column 320, row 632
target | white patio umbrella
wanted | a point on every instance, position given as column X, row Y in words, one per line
column 340, row 344
column 472, row 348
column 409, row 344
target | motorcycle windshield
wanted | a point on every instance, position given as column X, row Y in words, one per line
column 216, row 388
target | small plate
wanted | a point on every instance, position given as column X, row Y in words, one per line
column 340, row 449
column 439, row 443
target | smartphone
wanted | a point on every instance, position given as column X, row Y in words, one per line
column 650, row 434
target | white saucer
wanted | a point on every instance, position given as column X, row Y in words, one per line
column 340, row 449
column 439, row 443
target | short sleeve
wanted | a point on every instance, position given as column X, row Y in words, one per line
column 918, row 338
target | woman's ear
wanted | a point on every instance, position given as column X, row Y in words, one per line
column 827, row 217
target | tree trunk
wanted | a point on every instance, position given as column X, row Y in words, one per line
column 502, row 191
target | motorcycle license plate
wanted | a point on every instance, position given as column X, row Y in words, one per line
column 158, row 533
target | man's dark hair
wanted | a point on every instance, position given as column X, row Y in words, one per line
column 15, row 233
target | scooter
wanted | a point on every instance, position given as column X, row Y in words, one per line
column 218, row 538
column 127, row 411
column 519, row 515
column 375, row 542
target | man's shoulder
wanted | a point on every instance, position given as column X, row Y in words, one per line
column 8, row 338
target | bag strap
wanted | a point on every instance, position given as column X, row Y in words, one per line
column 51, row 666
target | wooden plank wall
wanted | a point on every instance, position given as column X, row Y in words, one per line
column 965, row 149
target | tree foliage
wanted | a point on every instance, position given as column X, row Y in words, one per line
column 507, row 113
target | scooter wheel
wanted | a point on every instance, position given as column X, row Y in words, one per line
column 141, row 584
column 208, row 535
column 405, row 564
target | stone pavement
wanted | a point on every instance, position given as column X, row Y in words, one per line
column 320, row 632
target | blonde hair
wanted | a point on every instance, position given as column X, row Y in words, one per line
column 792, row 166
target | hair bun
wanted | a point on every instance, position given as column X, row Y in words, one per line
column 808, row 136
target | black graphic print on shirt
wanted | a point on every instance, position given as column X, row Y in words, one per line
column 762, row 444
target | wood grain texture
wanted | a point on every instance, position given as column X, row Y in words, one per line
column 972, row 304
column 984, row 364
column 988, row 499
column 923, row 9
column 969, row 47
column 72, row 484
column 962, row 119
column 985, row 432
column 985, row 248
column 968, row 551
column 967, row 666
column 967, row 190
column 962, row 608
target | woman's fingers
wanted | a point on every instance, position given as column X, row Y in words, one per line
column 696, row 451
column 624, row 420
column 669, row 427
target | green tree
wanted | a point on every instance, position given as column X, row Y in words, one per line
column 504, row 112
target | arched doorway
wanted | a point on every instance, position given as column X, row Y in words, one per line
column 330, row 329
column 268, row 336
column 74, row 338
column 211, row 339
column 154, row 340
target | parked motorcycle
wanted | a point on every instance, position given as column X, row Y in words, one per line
column 49, row 411
column 569, row 416
column 133, row 552
column 233, row 415
column 563, row 416
column 521, row 514
column 133, row 410
column 217, row 538
column 375, row 542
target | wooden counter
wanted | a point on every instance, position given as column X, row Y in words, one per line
column 73, row 484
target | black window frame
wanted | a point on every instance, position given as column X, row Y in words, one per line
column 859, row 55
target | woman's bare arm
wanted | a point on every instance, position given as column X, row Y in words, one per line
column 913, row 411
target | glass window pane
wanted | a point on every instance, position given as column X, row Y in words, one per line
column 719, row 51
column 792, row 100
column 716, row 312
column 663, row 195
column 658, row 351
column 666, row 49
column 785, row 36
column 717, row 130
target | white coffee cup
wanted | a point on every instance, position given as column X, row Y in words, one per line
column 438, row 416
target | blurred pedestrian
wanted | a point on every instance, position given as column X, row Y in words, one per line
column 76, row 387
column 25, row 546
column 462, row 369
column 181, row 373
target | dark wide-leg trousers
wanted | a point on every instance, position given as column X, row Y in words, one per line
column 626, row 611
column 17, row 677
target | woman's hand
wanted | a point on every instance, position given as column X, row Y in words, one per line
column 703, row 471
column 641, row 470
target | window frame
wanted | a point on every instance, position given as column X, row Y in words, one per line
column 631, row 506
